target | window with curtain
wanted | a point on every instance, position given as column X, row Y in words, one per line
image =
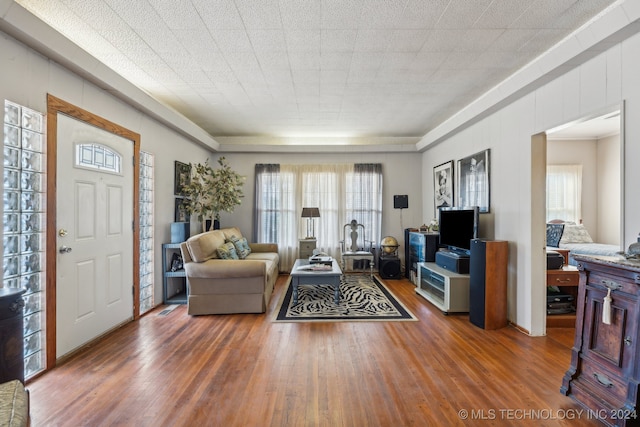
column 564, row 192
column 342, row 192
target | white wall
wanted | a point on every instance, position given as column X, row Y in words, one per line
column 585, row 153
column 601, row 182
column 602, row 82
column 26, row 77
column 401, row 171
column 609, row 190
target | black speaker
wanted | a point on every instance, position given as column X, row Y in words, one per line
column 389, row 267
column 488, row 283
column 400, row 201
column 453, row 262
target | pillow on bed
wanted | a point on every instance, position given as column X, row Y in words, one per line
column 575, row 234
column 554, row 234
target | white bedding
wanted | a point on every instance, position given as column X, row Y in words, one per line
column 589, row 249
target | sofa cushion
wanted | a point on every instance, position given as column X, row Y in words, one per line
column 203, row 246
column 231, row 231
column 218, row 269
column 263, row 247
column 227, row 251
column 265, row 256
column 241, row 245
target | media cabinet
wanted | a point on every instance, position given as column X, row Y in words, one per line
column 447, row 290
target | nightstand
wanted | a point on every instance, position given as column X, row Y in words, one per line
column 566, row 279
column 306, row 248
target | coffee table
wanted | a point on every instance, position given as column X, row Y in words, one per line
column 301, row 275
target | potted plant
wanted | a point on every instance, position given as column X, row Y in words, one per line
column 212, row 191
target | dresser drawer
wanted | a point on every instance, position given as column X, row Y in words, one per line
column 307, row 246
column 564, row 277
column 610, row 387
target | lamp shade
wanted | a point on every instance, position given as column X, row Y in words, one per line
column 310, row 213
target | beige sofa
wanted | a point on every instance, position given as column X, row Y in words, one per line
column 14, row 404
column 220, row 286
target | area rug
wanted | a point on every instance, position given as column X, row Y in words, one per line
column 361, row 299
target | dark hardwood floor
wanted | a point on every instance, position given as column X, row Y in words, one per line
column 244, row 370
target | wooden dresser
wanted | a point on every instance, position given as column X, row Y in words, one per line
column 604, row 375
column 11, row 332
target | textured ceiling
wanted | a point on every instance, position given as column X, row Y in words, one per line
column 597, row 128
column 281, row 69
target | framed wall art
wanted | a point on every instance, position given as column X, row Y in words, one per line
column 474, row 181
column 182, row 177
column 181, row 214
column 443, row 185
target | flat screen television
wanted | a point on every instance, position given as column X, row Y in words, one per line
column 457, row 226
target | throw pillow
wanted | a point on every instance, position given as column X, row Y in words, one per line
column 227, row 251
column 575, row 234
column 241, row 245
column 554, row 234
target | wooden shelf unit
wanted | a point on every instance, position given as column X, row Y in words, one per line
column 566, row 279
column 173, row 280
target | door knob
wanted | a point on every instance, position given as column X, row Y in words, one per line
column 62, row 232
column 64, row 249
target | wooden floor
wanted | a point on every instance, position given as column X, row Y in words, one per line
column 244, row 370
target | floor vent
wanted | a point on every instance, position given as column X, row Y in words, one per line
column 168, row 310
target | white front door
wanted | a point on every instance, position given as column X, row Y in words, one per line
column 94, row 283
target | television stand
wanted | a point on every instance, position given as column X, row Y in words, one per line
column 447, row 290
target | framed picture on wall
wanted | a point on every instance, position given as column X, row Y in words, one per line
column 182, row 178
column 443, row 185
column 473, row 181
column 181, row 214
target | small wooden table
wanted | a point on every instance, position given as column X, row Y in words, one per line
column 566, row 279
column 302, row 275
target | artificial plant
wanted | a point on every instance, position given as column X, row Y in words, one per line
column 212, row 191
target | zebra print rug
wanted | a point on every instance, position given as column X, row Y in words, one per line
column 361, row 299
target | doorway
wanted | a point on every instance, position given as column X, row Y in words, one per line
column 599, row 124
column 122, row 194
column 94, row 217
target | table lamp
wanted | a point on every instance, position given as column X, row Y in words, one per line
column 310, row 214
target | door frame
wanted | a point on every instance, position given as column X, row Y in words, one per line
column 54, row 106
column 539, row 200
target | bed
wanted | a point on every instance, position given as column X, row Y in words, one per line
column 576, row 239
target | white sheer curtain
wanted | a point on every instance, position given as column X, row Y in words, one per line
column 564, row 192
column 342, row 192
column 276, row 216
column 364, row 199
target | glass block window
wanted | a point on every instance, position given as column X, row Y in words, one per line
column 96, row 156
column 24, row 201
column 146, row 232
